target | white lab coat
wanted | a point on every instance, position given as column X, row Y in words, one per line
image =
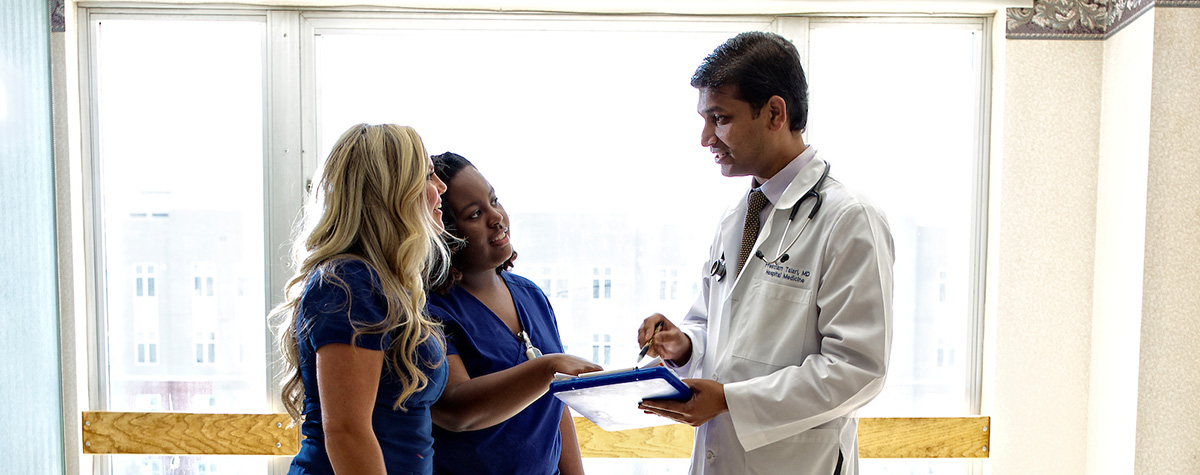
column 799, row 345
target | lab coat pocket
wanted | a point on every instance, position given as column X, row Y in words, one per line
column 770, row 324
column 814, row 452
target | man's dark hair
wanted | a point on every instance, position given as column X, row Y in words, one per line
column 759, row 65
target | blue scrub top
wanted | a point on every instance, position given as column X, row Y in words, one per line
column 529, row 442
column 325, row 311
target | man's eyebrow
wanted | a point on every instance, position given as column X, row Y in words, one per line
column 711, row 110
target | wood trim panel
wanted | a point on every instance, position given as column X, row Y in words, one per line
column 924, row 437
column 191, row 434
column 270, row 434
column 900, row 437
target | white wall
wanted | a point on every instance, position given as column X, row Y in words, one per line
column 1120, row 229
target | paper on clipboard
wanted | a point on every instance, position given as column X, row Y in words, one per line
column 610, row 399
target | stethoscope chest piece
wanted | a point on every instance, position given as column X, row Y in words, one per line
column 718, row 268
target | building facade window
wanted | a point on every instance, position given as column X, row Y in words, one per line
column 144, row 280
column 206, row 347
column 146, row 348
column 602, row 350
column 602, row 283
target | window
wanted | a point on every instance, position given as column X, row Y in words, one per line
column 207, row 468
column 668, row 284
column 203, row 403
column 148, row 402
column 604, row 349
column 178, row 155
column 551, row 280
column 202, row 279
column 144, row 280
column 922, row 82
column 602, row 284
column 204, row 224
column 146, row 344
column 206, row 347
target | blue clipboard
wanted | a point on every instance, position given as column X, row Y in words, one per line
column 610, row 400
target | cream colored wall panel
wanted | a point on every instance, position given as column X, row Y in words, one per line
column 1168, row 426
column 1120, row 240
column 1051, row 128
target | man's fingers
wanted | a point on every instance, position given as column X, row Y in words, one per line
column 662, row 406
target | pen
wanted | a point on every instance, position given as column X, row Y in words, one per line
column 642, row 354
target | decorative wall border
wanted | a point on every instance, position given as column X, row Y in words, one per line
column 58, row 22
column 1078, row 19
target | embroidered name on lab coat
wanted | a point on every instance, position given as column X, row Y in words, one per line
column 784, row 272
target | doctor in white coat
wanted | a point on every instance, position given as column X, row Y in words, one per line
column 780, row 350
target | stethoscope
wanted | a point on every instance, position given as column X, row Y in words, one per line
column 781, row 254
column 531, row 351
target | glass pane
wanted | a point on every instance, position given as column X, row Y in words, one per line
column 589, row 137
column 179, row 115
column 895, row 108
column 592, row 141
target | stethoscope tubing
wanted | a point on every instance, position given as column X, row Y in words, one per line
column 718, row 268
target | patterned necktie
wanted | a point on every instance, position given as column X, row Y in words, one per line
column 757, row 200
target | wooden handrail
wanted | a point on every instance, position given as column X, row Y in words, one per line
column 179, row 433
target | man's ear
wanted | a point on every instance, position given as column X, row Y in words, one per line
column 776, row 110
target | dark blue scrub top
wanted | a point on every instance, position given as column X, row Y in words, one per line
column 405, row 436
column 529, row 442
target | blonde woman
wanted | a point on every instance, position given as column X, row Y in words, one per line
column 363, row 361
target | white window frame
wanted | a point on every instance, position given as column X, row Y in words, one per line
column 291, row 141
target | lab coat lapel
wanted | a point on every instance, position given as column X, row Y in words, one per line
column 734, row 222
column 808, row 176
column 731, row 243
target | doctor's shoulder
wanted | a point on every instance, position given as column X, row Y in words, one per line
column 843, row 198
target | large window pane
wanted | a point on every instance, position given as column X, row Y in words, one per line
column 896, row 108
column 179, row 142
column 591, row 139
column 592, row 142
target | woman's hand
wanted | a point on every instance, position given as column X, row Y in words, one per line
column 566, row 364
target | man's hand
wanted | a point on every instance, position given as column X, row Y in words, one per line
column 670, row 343
column 707, row 402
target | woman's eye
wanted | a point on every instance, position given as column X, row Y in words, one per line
column 495, row 201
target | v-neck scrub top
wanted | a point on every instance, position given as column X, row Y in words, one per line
column 326, row 310
column 529, row 442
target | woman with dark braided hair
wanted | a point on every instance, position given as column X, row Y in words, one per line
column 495, row 415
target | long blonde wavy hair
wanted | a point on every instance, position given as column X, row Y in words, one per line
column 369, row 205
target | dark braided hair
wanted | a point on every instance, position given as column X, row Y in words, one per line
column 447, row 165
